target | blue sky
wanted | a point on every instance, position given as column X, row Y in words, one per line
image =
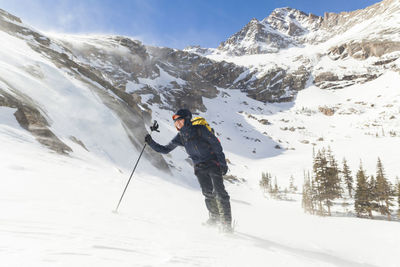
column 171, row 23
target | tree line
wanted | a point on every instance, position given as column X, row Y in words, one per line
column 271, row 187
column 328, row 182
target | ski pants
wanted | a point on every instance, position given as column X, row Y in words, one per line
column 213, row 189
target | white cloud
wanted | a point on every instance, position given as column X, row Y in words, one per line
column 89, row 16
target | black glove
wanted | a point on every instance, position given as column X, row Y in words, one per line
column 224, row 169
column 148, row 139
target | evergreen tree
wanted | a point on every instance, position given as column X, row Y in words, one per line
column 270, row 189
column 315, row 200
column 348, row 179
column 327, row 178
column 383, row 193
column 292, row 187
column 276, row 188
column 398, row 197
column 361, row 198
column 307, row 200
column 332, row 187
column 373, row 203
column 319, row 170
column 265, row 181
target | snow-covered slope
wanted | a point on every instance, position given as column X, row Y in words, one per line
column 57, row 211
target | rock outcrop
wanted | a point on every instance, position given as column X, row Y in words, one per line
column 31, row 119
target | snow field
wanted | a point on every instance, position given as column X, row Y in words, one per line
column 57, row 211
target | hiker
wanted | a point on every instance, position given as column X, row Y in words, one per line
column 205, row 150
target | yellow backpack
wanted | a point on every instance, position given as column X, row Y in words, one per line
column 202, row 121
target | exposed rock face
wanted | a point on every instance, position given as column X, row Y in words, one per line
column 293, row 22
column 200, row 77
column 364, row 49
column 110, row 61
column 196, row 49
column 329, row 80
column 277, row 85
column 255, row 38
column 9, row 16
column 31, row 119
column 339, row 23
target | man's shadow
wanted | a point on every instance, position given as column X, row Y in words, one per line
column 323, row 257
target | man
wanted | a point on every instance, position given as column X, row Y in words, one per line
column 205, row 150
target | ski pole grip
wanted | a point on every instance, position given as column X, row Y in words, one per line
column 154, row 127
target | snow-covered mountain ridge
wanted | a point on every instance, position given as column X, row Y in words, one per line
column 287, row 27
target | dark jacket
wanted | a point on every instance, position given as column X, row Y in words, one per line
column 201, row 145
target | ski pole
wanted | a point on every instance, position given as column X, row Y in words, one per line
column 152, row 128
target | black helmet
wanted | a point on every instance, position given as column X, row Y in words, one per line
column 183, row 113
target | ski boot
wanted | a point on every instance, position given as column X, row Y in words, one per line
column 226, row 227
column 212, row 221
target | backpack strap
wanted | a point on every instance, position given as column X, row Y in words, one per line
column 201, row 136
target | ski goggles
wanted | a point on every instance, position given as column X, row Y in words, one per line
column 176, row 118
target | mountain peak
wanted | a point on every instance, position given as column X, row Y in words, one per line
column 254, row 20
column 285, row 9
column 254, row 38
column 272, row 33
column 292, row 22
